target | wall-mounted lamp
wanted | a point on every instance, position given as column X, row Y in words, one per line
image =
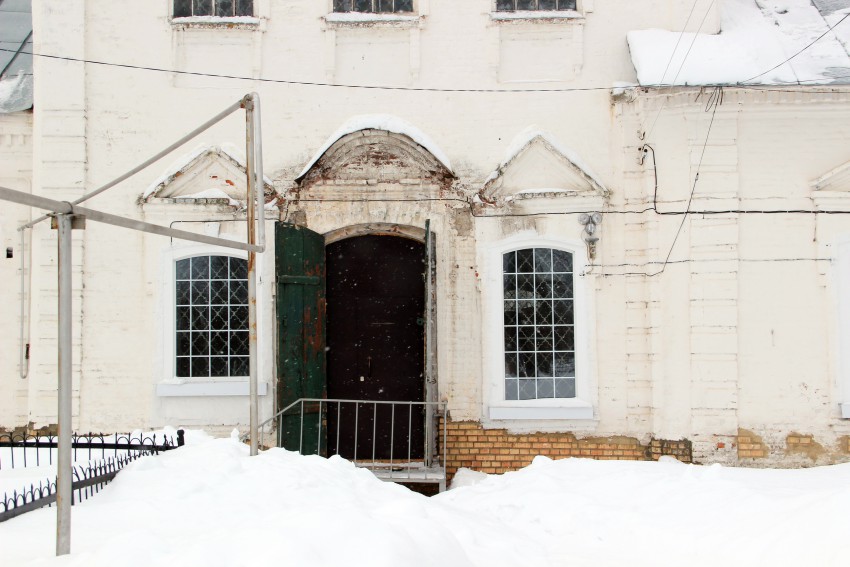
column 590, row 222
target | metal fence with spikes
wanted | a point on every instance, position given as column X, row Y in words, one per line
column 88, row 478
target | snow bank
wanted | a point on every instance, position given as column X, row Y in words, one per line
column 209, row 504
column 754, row 38
column 379, row 122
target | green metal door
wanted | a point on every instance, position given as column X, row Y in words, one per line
column 301, row 317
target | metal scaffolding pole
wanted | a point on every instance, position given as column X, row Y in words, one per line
column 153, row 159
column 255, row 201
column 64, row 213
column 63, row 478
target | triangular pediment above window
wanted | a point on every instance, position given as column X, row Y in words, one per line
column 208, row 173
column 539, row 167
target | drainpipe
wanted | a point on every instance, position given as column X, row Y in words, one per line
column 24, row 366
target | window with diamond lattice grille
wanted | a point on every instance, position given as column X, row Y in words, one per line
column 211, row 302
column 534, row 5
column 539, row 324
column 373, row 6
column 217, row 8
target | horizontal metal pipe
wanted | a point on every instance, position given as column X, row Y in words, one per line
column 205, row 126
column 329, row 400
column 64, row 207
column 334, row 400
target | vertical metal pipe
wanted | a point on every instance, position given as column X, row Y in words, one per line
column 319, row 431
column 429, row 418
column 25, row 363
column 430, row 378
column 301, row 434
column 63, row 471
column 356, row 428
column 374, row 428
column 280, row 431
column 258, row 171
column 444, row 451
column 252, row 272
column 338, row 413
column 392, row 432
column 409, row 437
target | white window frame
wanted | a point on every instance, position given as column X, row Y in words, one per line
column 171, row 385
column 496, row 7
column 582, row 7
column 213, row 3
column 257, row 22
column 374, row 3
column 393, row 19
column 497, row 408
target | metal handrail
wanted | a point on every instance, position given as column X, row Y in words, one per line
column 431, row 468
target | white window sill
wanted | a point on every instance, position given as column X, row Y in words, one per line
column 215, row 22
column 207, row 389
column 565, row 409
column 537, row 15
column 343, row 19
column 845, row 410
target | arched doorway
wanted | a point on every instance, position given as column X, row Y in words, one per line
column 376, row 345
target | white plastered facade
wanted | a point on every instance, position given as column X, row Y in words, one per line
column 743, row 329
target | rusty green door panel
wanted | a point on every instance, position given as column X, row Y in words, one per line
column 301, row 317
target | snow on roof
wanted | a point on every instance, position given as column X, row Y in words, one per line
column 15, row 93
column 755, row 36
column 526, row 137
column 386, row 122
column 16, row 85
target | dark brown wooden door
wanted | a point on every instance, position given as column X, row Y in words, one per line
column 375, row 334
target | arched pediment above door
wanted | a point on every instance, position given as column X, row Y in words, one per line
column 377, row 151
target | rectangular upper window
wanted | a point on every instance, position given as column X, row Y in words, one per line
column 534, row 5
column 373, row 6
column 215, row 8
column 539, row 324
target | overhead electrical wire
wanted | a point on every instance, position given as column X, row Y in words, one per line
column 15, row 53
column 403, row 88
column 832, row 27
column 653, row 208
column 670, row 61
column 693, row 40
column 684, row 59
column 715, row 100
column 678, row 41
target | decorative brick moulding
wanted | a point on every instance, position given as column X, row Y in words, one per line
column 496, row 451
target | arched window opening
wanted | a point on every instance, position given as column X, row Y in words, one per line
column 539, row 323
